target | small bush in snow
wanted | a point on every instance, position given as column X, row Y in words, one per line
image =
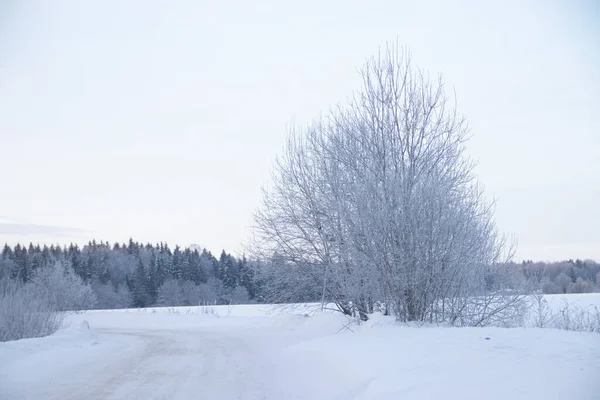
column 26, row 312
column 36, row 308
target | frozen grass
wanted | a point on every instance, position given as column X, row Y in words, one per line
column 573, row 312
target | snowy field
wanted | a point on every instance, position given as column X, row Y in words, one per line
column 583, row 301
column 257, row 352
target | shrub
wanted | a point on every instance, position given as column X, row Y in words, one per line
column 26, row 312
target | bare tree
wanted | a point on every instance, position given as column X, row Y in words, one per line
column 563, row 281
column 110, row 297
column 170, row 294
column 377, row 201
column 64, row 289
column 581, row 286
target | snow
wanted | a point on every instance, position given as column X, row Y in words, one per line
column 448, row 363
column 257, row 352
column 585, row 301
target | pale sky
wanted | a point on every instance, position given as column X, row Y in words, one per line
column 160, row 120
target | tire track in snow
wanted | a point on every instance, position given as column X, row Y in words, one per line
column 172, row 364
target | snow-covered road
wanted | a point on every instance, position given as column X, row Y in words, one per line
column 148, row 362
column 169, row 364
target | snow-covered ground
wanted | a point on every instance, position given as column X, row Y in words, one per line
column 586, row 301
column 255, row 352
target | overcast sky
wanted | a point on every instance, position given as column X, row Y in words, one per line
column 160, row 120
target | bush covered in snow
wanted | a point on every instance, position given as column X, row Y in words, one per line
column 378, row 201
column 37, row 308
column 26, row 312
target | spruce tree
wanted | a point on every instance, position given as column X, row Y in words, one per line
column 140, row 286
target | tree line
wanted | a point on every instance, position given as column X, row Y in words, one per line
column 138, row 275
column 141, row 275
column 568, row 276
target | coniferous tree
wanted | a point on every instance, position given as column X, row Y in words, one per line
column 74, row 256
column 221, row 266
column 140, row 286
column 186, row 268
column 152, row 281
column 176, row 264
column 36, row 261
column 46, row 255
column 7, row 252
column 21, row 260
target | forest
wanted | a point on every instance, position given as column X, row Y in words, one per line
column 134, row 274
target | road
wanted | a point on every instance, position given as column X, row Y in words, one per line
column 160, row 364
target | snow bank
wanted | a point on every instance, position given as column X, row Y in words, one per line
column 384, row 361
column 25, row 363
column 65, row 339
